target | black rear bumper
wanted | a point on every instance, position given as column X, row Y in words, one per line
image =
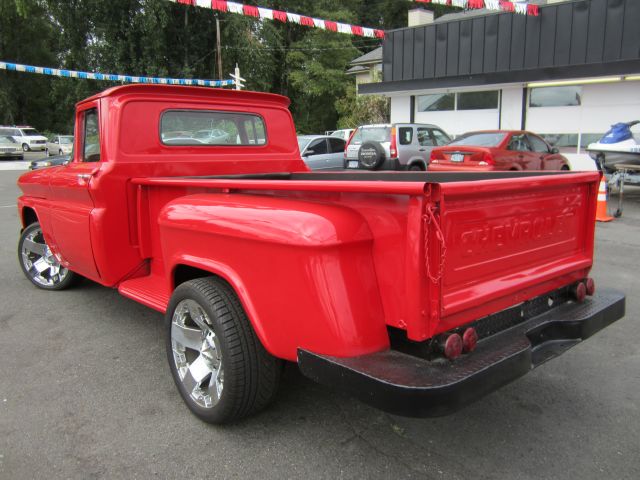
column 406, row 385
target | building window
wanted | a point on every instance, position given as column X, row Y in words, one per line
column 441, row 102
column 437, row 102
column 555, row 96
column 478, row 100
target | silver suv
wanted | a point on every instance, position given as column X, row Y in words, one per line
column 393, row 146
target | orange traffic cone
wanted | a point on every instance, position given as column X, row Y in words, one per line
column 601, row 206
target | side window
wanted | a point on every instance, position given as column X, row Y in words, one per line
column 440, row 137
column 91, row 139
column 318, row 146
column 424, row 138
column 519, row 143
column 405, row 135
column 538, row 144
column 336, row 145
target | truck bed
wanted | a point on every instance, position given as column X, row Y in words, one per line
column 466, row 244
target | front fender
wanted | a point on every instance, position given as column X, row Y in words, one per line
column 303, row 270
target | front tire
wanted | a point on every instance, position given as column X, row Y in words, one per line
column 25, row 147
column 221, row 369
column 38, row 264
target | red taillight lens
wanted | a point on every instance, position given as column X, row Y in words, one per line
column 579, row 292
column 436, row 155
column 393, row 148
column 488, row 159
column 591, row 286
column 469, row 340
column 453, row 346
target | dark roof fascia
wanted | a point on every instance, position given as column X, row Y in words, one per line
column 627, row 67
column 487, row 14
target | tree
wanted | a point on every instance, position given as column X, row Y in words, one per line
column 355, row 110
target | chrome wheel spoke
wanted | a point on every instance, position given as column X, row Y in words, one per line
column 215, row 384
column 35, row 247
column 40, row 265
column 191, row 330
column 197, row 315
column 186, row 336
column 196, row 374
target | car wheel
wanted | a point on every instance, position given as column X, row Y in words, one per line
column 25, row 147
column 416, row 167
column 565, row 168
column 59, row 152
column 39, row 264
column 221, row 369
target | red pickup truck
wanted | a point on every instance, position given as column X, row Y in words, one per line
column 417, row 292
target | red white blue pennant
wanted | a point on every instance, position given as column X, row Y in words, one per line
column 57, row 72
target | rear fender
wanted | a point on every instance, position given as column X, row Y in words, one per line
column 303, row 270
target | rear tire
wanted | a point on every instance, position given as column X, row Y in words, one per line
column 416, row 167
column 565, row 168
column 221, row 369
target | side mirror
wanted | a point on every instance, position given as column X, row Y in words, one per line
column 554, row 150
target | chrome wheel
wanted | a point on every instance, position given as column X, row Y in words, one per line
column 38, row 262
column 197, row 354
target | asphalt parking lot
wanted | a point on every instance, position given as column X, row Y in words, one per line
column 85, row 392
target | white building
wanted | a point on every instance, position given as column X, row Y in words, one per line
column 567, row 74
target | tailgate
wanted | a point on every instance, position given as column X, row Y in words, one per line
column 509, row 240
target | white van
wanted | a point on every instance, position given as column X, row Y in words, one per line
column 28, row 137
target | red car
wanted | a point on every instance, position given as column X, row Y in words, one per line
column 497, row 150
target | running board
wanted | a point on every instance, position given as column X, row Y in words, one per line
column 150, row 291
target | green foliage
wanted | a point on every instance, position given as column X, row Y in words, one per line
column 357, row 110
column 161, row 38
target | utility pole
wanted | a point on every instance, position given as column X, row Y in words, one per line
column 219, row 50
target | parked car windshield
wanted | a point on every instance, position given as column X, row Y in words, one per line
column 66, row 140
column 479, row 139
column 371, row 134
column 30, row 132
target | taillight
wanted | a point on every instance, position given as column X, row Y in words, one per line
column 436, row 155
column 469, row 340
column 453, row 346
column 591, row 286
column 579, row 292
column 487, row 159
column 393, row 149
column 349, row 142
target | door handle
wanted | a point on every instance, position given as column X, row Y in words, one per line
column 84, row 177
column 422, row 150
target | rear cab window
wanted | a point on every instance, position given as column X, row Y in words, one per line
column 211, row 128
